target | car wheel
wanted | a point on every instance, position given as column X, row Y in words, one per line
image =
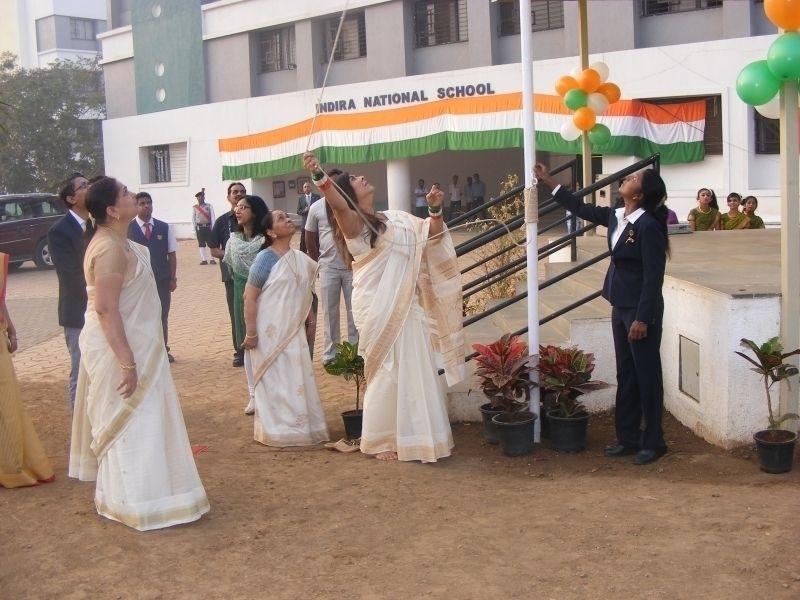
column 42, row 256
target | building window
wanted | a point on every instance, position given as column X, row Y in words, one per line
column 768, row 134
column 81, row 29
column 352, row 41
column 712, row 137
column 440, row 22
column 662, row 7
column 545, row 14
column 276, row 49
column 159, row 164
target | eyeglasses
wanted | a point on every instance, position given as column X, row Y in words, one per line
column 242, row 207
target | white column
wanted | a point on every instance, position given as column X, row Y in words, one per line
column 398, row 184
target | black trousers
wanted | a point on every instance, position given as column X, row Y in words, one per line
column 166, row 298
column 640, row 388
column 229, row 298
column 203, row 233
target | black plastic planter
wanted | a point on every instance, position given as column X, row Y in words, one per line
column 515, row 432
column 568, row 434
column 489, row 428
column 352, row 423
column 775, row 450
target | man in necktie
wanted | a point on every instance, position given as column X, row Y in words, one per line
column 304, row 202
column 159, row 237
column 66, row 241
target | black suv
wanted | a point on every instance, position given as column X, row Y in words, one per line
column 25, row 220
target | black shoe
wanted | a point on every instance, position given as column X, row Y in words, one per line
column 238, row 361
column 212, row 262
column 644, row 457
column 170, row 358
column 203, row 262
column 619, row 450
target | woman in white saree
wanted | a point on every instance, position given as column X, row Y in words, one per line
column 128, row 432
column 407, row 306
column 277, row 299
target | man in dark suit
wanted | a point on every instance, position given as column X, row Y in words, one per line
column 159, row 237
column 66, row 243
column 637, row 239
column 220, row 234
column 304, row 202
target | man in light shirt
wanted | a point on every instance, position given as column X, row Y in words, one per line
column 66, row 243
column 202, row 222
column 455, row 194
column 420, row 201
column 159, row 237
column 335, row 277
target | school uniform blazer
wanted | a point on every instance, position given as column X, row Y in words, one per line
column 65, row 240
column 636, row 273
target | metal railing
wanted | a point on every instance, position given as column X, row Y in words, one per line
column 495, row 276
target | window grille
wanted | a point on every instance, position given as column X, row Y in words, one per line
column 276, row 49
column 440, row 22
column 81, row 29
column 768, row 134
column 159, row 164
column 352, row 41
column 663, row 7
column 545, row 14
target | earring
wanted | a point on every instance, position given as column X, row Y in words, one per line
column 117, row 217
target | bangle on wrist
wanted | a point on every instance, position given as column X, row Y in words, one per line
column 130, row 367
column 324, row 185
column 439, row 216
column 434, row 210
column 248, row 336
column 318, row 175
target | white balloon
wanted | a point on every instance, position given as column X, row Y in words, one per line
column 597, row 102
column 602, row 69
column 576, row 71
column 569, row 132
column 772, row 109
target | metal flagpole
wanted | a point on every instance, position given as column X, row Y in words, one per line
column 586, row 147
column 531, row 200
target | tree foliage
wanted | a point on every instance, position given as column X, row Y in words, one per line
column 50, row 123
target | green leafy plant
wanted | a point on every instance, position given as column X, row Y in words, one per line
column 769, row 363
column 348, row 364
column 504, row 373
column 567, row 372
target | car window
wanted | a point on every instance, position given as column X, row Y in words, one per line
column 49, row 207
column 11, row 211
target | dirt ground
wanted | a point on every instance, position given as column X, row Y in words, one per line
column 700, row 523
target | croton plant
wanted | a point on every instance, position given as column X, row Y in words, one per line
column 504, row 372
column 567, row 372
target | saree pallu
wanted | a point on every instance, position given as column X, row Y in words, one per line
column 730, row 223
column 239, row 256
column 407, row 306
column 136, row 448
column 288, row 407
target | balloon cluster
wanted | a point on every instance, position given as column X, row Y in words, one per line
column 588, row 94
column 759, row 82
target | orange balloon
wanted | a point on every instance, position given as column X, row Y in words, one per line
column 783, row 13
column 584, row 118
column 565, row 84
column 610, row 91
column 589, row 80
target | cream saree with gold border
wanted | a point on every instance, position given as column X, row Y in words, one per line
column 407, row 306
column 137, row 448
column 288, row 408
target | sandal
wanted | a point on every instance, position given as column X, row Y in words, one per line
column 345, row 446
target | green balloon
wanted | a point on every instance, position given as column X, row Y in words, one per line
column 599, row 135
column 756, row 84
column 575, row 99
column 784, row 56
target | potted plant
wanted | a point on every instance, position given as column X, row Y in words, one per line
column 775, row 445
column 504, row 373
column 350, row 365
column 567, row 373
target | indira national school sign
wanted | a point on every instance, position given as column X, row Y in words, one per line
column 408, row 97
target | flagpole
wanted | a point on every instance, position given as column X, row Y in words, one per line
column 531, row 200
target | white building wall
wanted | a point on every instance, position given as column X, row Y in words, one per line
column 685, row 70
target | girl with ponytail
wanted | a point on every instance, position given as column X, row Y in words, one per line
column 637, row 239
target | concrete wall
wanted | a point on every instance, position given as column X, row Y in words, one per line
column 222, row 81
column 731, row 405
column 120, row 97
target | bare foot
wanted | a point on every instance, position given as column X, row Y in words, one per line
column 386, row 456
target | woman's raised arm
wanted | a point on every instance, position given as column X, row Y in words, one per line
column 348, row 220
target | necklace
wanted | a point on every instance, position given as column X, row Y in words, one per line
column 705, row 212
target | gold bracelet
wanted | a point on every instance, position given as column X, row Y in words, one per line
column 250, row 337
column 130, row 367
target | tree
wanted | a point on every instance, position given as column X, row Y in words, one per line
column 50, row 123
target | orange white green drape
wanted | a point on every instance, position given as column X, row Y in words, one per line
column 476, row 123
